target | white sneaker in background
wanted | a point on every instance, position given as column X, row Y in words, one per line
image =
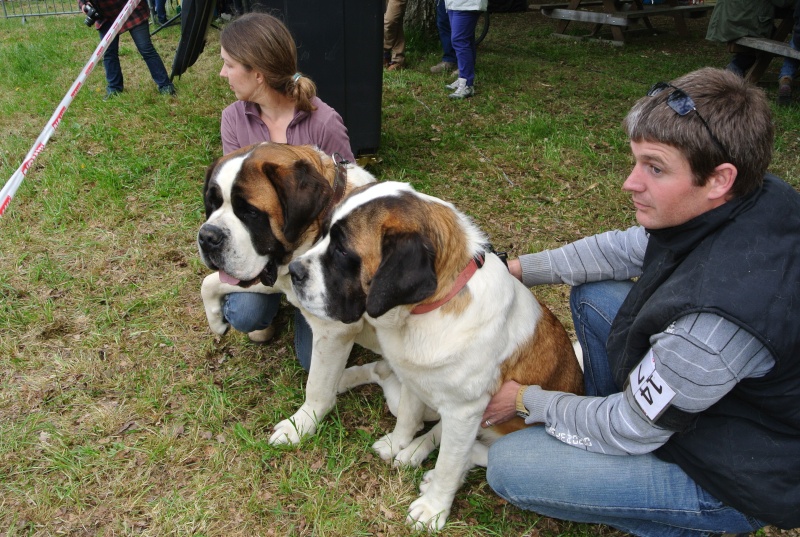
column 462, row 91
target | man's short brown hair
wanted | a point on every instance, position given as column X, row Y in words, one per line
column 735, row 111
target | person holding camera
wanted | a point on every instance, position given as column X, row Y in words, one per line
column 101, row 14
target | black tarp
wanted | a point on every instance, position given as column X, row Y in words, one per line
column 195, row 20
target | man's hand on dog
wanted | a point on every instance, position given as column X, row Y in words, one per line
column 502, row 407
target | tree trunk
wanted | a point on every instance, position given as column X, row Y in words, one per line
column 421, row 14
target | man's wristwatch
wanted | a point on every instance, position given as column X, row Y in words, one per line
column 522, row 412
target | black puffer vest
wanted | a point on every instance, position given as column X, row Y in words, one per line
column 740, row 261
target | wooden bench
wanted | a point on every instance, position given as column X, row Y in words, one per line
column 563, row 5
column 766, row 49
column 620, row 19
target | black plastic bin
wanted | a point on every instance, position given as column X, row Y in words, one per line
column 339, row 45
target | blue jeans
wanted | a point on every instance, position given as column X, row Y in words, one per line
column 141, row 38
column 639, row 494
column 790, row 65
column 161, row 10
column 443, row 25
column 594, row 306
column 462, row 35
column 247, row 312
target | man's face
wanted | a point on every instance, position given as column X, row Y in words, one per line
column 662, row 188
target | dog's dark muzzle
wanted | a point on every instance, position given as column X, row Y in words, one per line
column 211, row 238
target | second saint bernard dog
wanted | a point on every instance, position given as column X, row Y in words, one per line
column 451, row 321
column 265, row 205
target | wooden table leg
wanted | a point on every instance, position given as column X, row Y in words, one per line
column 609, row 6
column 562, row 25
column 763, row 59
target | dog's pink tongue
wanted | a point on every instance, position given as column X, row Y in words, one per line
column 224, row 277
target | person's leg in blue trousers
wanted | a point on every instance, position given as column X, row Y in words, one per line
column 141, row 38
column 640, row 494
column 248, row 312
column 443, row 26
column 115, row 82
column 161, row 11
column 594, row 306
column 462, row 34
column 790, row 65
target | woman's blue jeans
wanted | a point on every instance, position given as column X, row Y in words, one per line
column 247, row 312
column 141, row 38
column 638, row 494
column 462, row 26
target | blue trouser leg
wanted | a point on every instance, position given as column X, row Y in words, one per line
column 790, row 65
column 303, row 340
column 141, row 38
column 638, row 494
column 161, row 10
column 462, row 25
column 594, row 306
column 443, row 26
column 114, row 78
column 247, row 312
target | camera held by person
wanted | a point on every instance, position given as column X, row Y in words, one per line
column 92, row 14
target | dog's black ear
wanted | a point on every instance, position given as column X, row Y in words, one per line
column 303, row 194
column 406, row 274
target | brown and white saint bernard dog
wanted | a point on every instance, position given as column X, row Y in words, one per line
column 264, row 206
column 452, row 322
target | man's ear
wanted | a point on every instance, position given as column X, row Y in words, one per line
column 721, row 181
column 406, row 274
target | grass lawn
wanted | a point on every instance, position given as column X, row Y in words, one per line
column 120, row 412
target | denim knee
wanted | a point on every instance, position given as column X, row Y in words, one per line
column 247, row 312
column 303, row 340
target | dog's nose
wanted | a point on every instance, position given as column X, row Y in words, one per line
column 210, row 237
column 298, row 271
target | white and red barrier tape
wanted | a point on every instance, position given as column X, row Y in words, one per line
column 11, row 186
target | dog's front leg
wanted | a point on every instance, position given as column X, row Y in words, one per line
column 419, row 448
column 213, row 291
column 439, row 487
column 330, row 349
column 410, row 410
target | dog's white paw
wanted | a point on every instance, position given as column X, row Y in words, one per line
column 218, row 325
column 428, row 513
column 291, row 430
column 416, row 452
column 426, row 481
column 388, row 446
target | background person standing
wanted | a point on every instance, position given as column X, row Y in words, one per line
column 138, row 27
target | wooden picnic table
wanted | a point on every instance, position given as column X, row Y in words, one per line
column 618, row 15
column 765, row 49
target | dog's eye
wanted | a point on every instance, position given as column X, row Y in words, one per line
column 338, row 250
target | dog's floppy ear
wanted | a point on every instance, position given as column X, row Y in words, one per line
column 406, row 274
column 303, row 194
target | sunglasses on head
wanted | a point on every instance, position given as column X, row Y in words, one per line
column 682, row 104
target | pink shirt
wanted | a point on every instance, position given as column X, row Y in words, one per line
column 242, row 126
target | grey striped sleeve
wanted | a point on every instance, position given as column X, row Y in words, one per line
column 613, row 255
column 700, row 356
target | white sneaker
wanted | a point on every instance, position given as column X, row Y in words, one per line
column 454, row 84
column 462, row 91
